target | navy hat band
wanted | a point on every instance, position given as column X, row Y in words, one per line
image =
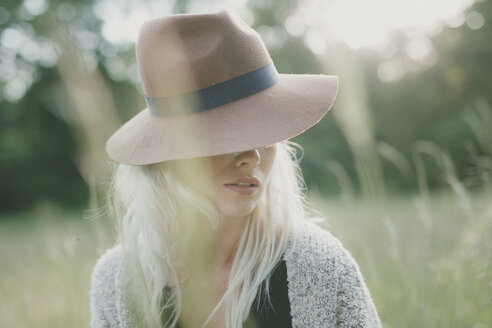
column 217, row 95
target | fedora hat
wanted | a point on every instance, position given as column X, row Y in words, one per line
column 211, row 88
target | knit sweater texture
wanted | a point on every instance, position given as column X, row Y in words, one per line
column 325, row 286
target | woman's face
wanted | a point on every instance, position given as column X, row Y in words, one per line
column 233, row 182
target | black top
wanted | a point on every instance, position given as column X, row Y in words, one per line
column 277, row 312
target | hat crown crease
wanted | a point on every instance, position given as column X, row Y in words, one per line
column 185, row 53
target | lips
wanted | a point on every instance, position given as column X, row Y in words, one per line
column 243, row 186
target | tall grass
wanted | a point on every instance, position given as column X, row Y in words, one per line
column 426, row 266
column 46, row 259
column 427, row 257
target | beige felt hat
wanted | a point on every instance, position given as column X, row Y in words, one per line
column 211, row 89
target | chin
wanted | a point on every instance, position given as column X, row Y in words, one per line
column 238, row 211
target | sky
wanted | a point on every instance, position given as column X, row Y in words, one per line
column 358, row 23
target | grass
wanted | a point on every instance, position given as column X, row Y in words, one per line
column 46, row 261
column 427, row 261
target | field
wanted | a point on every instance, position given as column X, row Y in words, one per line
column 427, row 260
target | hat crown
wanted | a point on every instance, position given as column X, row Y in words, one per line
column 183, row 53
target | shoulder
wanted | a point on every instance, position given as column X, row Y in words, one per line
column 108, row 263
column 323, row 259
column 316, row 247
column 326, row 287
column 104, row 288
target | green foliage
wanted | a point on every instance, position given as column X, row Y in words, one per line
column 37, row 152
column 43, row 137
column 40, row 153
column 433, row 104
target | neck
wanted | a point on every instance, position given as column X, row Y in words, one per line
column 210, row 251
column 225, row 240
column 205, row 262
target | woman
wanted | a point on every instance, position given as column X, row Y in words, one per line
column 212, row 225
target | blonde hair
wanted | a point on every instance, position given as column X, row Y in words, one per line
column 147, row 202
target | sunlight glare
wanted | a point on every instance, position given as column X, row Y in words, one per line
column 368, row 24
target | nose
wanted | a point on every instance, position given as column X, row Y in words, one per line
column 248, row 158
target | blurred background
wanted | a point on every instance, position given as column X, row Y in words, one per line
column 401, row 166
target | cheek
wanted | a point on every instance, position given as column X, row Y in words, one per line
column 268, row 161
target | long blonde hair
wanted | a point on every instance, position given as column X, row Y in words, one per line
column 147, row 202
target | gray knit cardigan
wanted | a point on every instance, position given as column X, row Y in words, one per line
column 325, row 286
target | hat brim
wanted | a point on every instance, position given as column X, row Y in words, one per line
column 280, row 112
